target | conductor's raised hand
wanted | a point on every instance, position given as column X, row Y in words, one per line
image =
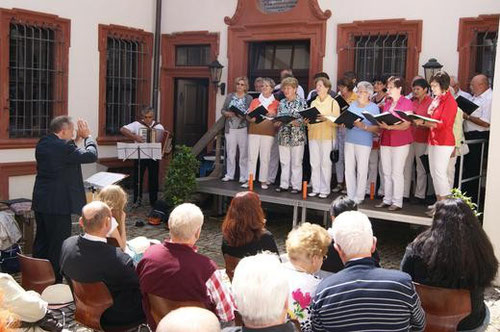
column 83, row 130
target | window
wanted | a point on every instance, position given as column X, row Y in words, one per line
column 380, row 55
column 34, row 64
column 267, row 59
column 125, row 77
column 192, row 55
column 379, row 48
column 477, row 40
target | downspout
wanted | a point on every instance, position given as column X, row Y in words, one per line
column 156, row 56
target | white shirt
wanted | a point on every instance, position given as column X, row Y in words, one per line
column 483, row 112
column 464, row 94
column 94, row 238
column 28, row 305
column 136, row 125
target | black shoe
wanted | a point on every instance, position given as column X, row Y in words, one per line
column 279, row 189
column 139, row 223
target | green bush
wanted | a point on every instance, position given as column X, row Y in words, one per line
column 457, row 193
column 180, row 180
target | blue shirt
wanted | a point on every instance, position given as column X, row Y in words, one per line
column 357, row 135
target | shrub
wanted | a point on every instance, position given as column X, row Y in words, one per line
column 180, row 179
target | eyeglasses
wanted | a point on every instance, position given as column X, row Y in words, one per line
column 242, row 84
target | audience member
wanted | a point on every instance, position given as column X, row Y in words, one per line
column 395, row 142
column 175, row 271
column 142, row 132
column 260, row 288
column 189, row 319
column 88, row 258
column 455, row 252
column 58, row 190
column 261, row 134
column 116, row 198
column 236, row 130
column 306, row 247
column 321, row 135
column 291, row 137
column 244, row 230
column 333, row 263
column 358, row 143
column 362, row 296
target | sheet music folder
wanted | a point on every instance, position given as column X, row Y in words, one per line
column 347, row 118
column 103, row 179
column 388, row 118
column 258, row 114
column 311, row 114
column 466, row 105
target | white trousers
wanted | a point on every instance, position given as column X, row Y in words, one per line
column 237, row 139
column 339, row 165
column 259, row 147
column 356, row 170
column 291, row 166
column 451, row 171
column 421, row 183
column 439, row 158
column 409, row 171
column 393, row 164
column 372, row 170
column 274, row 162
column 321, row 166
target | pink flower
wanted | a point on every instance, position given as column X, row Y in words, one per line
column 303, row 300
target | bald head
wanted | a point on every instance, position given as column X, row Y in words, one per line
column 96, row 218
column 479, row 84
column 189, row 319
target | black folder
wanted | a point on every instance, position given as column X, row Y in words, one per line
column 279, row 95
column 466, row 105
column 387, row 117
column 370, row 117
column 405, row 115
column 425, row 118
column 425, row 162
column 237, row 111
column 347, row 118
column 342, row 102
column 285, row 119
column 311, row 114
column 258, row 114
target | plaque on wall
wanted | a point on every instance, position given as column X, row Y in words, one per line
column 277, row 6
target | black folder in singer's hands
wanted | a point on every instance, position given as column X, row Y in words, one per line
column 412, row 117
column 347, row 118
column 342, row 102
column 386, row 117
column 237, row 111
column 258, row 113
column 310, row 114
column 466, row 105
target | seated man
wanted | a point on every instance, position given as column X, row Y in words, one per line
column 175, row 271
column 260, row 287
column 363, row 296
column 189, row 319
column 88, row 258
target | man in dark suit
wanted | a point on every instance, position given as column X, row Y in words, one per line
column 59, row 190
column 88, row 258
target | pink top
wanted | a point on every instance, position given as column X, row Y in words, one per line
column 397, row 137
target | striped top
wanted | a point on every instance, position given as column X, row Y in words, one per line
column 363, row 297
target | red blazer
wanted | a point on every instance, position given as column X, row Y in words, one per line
column 446, row 112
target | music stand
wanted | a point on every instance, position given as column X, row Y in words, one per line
column 139, row 151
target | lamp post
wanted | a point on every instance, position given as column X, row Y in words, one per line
column 215, row 75
column 431, row 67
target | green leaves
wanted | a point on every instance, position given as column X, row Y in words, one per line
column 180, row 180
column 457, row 193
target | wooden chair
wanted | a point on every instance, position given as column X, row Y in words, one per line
column 159, row 307
column 113, row 242
column 231, row 263
column 36, row 274
column 444, row 308
column 91, row 300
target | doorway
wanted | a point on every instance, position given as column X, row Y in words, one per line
column 190, row 110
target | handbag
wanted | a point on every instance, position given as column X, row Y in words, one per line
column 9, row 262
column 334, row 154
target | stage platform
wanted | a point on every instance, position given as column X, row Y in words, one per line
column 411, row 213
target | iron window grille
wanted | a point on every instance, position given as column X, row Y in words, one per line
column 484, row 49
column 192, row 55
column 380, row 55
column 125, row 79
column 32, row 75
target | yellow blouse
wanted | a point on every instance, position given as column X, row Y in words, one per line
column 325, row 130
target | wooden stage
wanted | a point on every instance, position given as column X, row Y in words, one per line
column 411, row 213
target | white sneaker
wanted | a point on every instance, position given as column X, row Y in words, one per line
column 311, row 194
column 244, row 185
column 264, row 186
column 323, row 196
column 243, row 181
column 226, row 179
column 431, row 207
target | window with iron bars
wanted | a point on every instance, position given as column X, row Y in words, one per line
column 485, row 51
column 381, row 55
column 124, row 81
column 31, row 80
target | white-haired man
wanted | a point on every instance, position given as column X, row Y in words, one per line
column 362, row 296
column 175, row 271
column 189, row 319
column 88, row 258
column 260, row 287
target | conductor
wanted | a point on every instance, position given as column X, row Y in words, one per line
column 147, row 130
column 58, row 190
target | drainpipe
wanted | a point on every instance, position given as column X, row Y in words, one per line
column 156, row 56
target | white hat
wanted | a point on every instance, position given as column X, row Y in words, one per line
column 57, row 295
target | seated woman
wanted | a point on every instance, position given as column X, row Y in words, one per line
column 454, row 252
column 306, row 247
column 116, row 198
column 244, row 230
